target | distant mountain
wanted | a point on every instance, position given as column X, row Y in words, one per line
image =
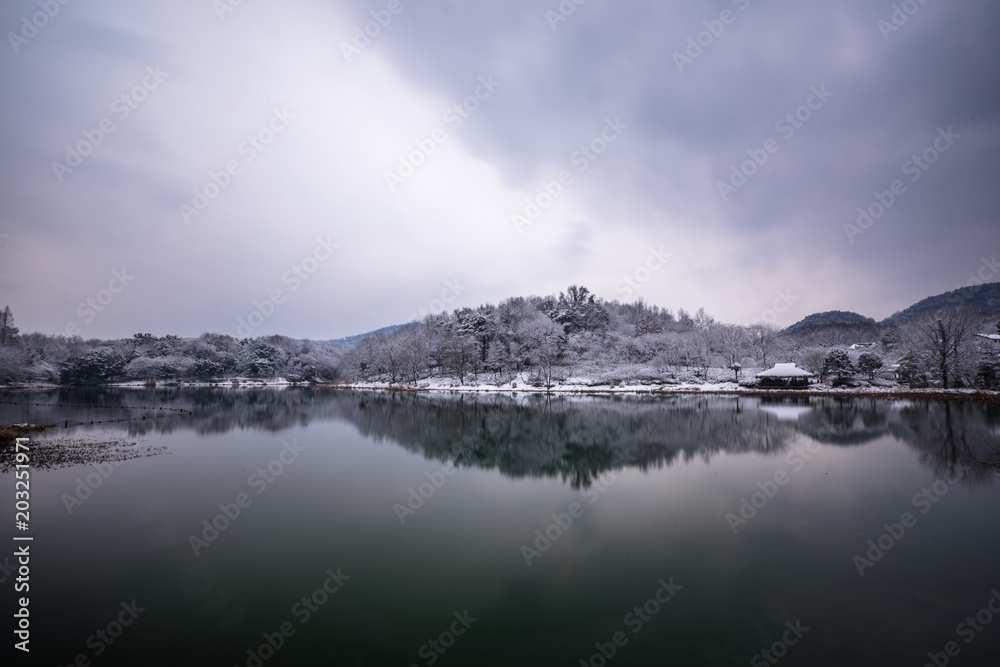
column 983, row 298
column 351, row 342
column 831, row 318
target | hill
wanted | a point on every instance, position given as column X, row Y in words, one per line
column 350, row 342
column 983, row 298
column 839, row 318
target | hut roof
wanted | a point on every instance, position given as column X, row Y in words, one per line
column 785, row 371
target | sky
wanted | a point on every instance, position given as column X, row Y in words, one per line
column 321, row 169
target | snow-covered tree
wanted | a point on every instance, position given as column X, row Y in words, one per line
column 838, row 364
column 945, row 341
column 763, row 340
column 869, row 364
column 460, row 355
column 576, row 310
column 732, row 340
column 548, row 344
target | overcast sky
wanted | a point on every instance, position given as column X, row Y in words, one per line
column 344, row 160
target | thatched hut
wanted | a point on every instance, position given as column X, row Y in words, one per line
column 784, row 376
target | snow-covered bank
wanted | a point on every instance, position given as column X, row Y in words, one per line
column 572, row 386
column 239, row 383
column 887, row 391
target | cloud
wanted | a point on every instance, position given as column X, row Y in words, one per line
column 355, row 119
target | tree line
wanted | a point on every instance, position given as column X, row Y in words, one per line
column 43, row 359
column 576, row 336
column 536, row 341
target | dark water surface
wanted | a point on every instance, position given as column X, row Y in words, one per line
column 418, row 514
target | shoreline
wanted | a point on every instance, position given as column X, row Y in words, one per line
column 723, row 389
column 695, row 390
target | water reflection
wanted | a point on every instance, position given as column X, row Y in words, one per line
column 131, row 537
column 575, row 438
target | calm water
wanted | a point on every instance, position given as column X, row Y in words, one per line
column 419, row 516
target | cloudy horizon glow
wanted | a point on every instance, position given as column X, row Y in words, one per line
column 832, row 101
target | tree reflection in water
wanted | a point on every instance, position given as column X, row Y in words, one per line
column 575, row 438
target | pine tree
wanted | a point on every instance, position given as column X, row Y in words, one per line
column 869, row 364
column 839, row 365
column 7, row 328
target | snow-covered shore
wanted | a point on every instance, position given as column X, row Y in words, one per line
column 580, row 387
column 574, row 386
column 238, row 383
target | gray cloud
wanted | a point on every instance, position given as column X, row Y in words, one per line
column 325, row 174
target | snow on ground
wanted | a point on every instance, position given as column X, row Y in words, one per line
column 720, row 381
column 584, row 385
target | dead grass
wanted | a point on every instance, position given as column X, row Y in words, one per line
column 9, row 433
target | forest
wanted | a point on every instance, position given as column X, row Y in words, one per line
column 578, row 339
column 574, row 339
column 37, row 358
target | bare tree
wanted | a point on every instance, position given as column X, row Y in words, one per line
column 415, row 352
column 389, row 356
column 364, row 356
column 702, row 342
column 813, row 360
column 763, row 339
column 945, row 341
column 459, row 355
column 732, row 340
column 548, row 344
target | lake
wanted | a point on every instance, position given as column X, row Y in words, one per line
column 302, row 526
